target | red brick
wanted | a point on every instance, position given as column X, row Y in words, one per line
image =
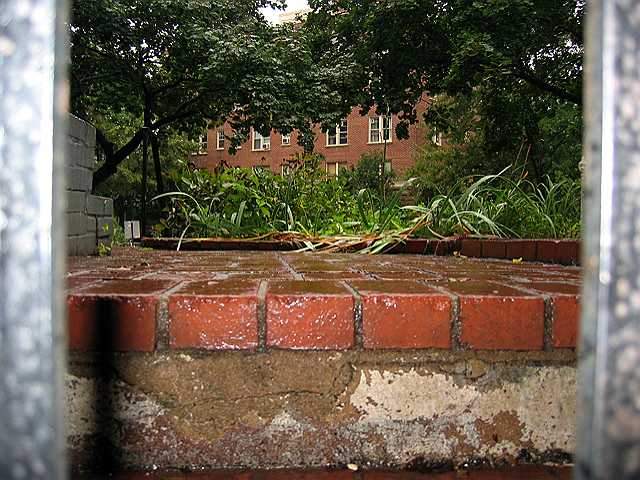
column 333, row 275
column 566, row 321
column 313, row 315
column 404, row 314
column 393, row 275
column 115, row 315
column 400, row 152
column 214, row 315
column 494, row 248
column 558, row 251
column 305, row 475
column 471, row 247
column 525, row 249
column 394, row 475
column 565, row 302
column 495, row 317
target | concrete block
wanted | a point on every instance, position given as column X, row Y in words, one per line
column 87, row 244
column 105, row 227
column 99, row 206
column 92, row 224
column 79, row 155
column 79, row 179
column 108, row 206
column 76, row 201
column 78, row 128
column 76, row 223
column 72, row 246
column 91, row 138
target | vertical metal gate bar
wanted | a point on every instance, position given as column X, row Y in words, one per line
column 32, row 98
column 609, row 399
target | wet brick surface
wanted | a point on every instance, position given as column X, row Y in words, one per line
column 141, row 300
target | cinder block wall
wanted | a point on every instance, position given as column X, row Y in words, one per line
column 89, row 217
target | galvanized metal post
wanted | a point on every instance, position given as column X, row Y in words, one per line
column 32, row 97
column 609, row 401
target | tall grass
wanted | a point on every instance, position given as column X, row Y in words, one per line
column 330, row 213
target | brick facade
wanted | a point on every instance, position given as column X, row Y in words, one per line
column 195, row 360
column 399, row 152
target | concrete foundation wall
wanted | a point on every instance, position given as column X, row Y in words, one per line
column 285, row 409
column 89, row 217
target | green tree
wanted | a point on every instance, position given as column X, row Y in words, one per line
column 186, row 63
column 511, row 70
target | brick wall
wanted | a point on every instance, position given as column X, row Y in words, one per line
column 89, row 217
column 399, row 152
column 262, row 359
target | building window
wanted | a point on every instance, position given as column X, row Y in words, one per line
column 260, row 142
column 220, row 140
column 286, row 139
column 338, row 136
column 436, row 138
column 202, row 145
column 380, row 129
column 333, row 169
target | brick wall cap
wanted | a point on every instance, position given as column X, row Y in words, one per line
column 556, row 288
column 472, row 288
column 235, row 288
column 392, row 287
column 305, row 287
column 111, row 288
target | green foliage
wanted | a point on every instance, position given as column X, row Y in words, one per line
column 503, row 206
column 370, row 173
column 508, row 72
column 438, row 169
column 124, row 188
column 314, row 209
column 185, row 64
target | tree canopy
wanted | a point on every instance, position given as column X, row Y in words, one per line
column 189, row 63
column 509, row 69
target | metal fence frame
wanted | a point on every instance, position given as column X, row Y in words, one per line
column 33, row 97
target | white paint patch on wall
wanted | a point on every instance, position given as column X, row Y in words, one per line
column 542, row 399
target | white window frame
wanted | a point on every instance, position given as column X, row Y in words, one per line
column 286, row 139
column 265, row 142
column 219, row 140
column 336, row 133
column 379, row 119
column 436, row 138
column 333, row 172
column 203, row 146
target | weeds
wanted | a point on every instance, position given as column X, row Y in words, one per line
column 321, row 213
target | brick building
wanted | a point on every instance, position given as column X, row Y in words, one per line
column 341, row 148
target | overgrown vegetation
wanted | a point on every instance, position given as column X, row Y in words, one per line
column 506, row 72
column 314, row 210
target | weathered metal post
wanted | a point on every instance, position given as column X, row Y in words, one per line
column 609, row 400
column 32, row 97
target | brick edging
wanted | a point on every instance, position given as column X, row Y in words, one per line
column 562, row 251
column 363, row 314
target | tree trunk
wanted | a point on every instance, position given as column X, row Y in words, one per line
column 155, row 149
column 113, row 157
column 143, row 201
